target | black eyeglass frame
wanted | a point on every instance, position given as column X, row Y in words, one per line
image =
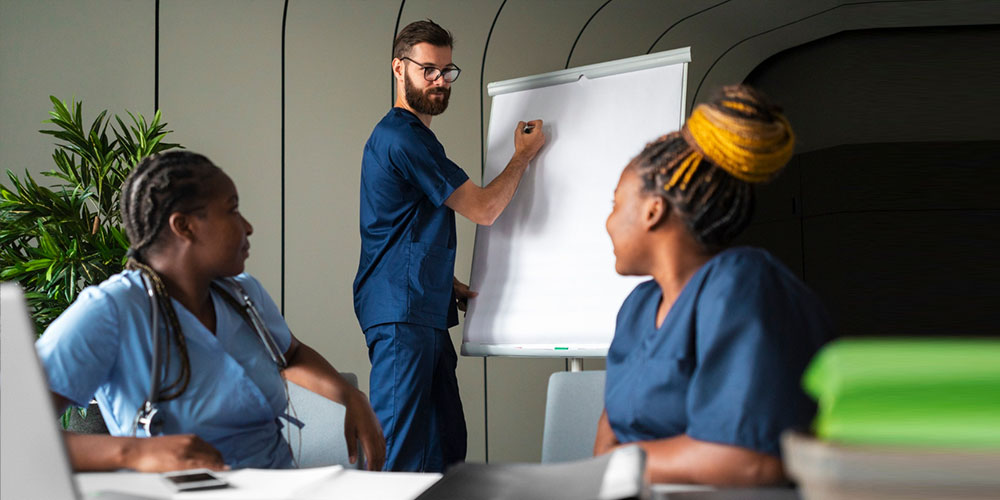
column 429, row 70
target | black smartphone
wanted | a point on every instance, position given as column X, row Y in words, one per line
column 194, row 479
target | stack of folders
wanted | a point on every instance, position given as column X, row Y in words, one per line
column 901, row 418
column 616, row 475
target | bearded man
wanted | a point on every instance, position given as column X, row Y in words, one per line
column 405, row 293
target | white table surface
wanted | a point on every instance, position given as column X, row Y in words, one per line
column 253, row 484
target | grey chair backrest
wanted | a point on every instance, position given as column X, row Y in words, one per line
column 573, row 406
column 321, row 441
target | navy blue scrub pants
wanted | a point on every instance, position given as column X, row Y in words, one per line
column 414, row 393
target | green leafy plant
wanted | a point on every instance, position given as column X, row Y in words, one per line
column 55, row 240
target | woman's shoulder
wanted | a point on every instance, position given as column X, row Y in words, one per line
column 752, row 277
column 249, row 283
column 118, row 288
column 253, row 287
column 741, row 263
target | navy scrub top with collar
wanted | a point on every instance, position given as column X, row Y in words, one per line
column 407, row 233
column 725, row 366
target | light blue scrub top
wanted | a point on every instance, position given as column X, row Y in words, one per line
column 101, row 347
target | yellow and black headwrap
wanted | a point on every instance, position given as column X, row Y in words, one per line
column 740, row 133
column 737, row 134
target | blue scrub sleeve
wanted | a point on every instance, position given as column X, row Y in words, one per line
column 268, row 310
column 740, row 394
column 79, row 348
column 423, row 163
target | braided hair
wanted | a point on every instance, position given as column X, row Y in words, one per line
column 706, row 170
column 161, row 184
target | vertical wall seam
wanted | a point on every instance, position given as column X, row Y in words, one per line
column 802, row 216
column 395, row 32
column 482, row 172
column 284, row 31
column 482, row 88
column 578, row 35
column 156, row 57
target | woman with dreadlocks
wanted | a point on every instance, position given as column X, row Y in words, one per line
column 704, row 369
column 206, row 385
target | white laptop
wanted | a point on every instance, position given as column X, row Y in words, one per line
column 33, row 459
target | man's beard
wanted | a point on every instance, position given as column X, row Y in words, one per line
column 421, row 102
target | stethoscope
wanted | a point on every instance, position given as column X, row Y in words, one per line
column 149, row 417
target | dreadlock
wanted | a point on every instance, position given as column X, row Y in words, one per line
column 160, row 185
column 706, row 169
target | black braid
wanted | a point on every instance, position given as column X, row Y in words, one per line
column 160, row 185
column 715, row 206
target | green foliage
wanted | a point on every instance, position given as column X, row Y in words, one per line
column 57, row 240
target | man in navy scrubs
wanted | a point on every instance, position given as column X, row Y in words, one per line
column 405, row 293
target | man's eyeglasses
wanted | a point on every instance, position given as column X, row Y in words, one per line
column 431, row 73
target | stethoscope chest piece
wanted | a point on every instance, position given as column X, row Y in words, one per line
column 150, row 419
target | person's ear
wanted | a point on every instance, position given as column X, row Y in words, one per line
column 398, row 69
column 180, row 226
column 655, row 212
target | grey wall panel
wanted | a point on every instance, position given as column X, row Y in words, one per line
column 220, row 87
column 626, row 28
column 336, row 69
column 713, row 31
column 100, row 52
column 529, row 38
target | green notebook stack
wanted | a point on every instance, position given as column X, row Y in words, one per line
column 938, row 393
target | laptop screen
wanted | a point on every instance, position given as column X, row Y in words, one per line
column 33, row 460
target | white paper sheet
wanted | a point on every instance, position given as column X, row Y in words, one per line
column 320, row 483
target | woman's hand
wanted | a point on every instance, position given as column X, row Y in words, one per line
column 605, row 440
column 360, row 424
column 94, row 452
column 310, row 370
column 175, row 452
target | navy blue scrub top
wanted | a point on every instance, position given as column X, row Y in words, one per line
column 407, row 233
column 725, row 366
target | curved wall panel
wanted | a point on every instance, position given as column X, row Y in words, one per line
column 626, row 28
column 220, row 86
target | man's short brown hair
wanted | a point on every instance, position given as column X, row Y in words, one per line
column 420, row 32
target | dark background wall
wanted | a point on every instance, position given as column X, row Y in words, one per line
column 890, row 210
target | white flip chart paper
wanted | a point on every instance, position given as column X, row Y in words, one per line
column 545, row 269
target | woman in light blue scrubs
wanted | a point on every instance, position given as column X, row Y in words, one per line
column 221, row 389
column 704, row 368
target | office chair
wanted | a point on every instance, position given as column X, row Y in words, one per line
column 573, row 406
column 322, row 437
